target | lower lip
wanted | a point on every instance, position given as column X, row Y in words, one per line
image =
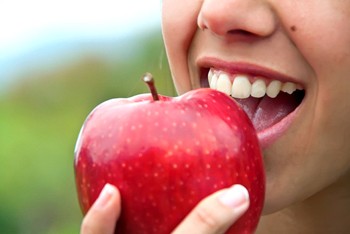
column 270, row 135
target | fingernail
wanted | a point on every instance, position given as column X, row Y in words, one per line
column 106, row 194
column 235, row 196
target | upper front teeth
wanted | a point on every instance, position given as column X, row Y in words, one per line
column 241, row 87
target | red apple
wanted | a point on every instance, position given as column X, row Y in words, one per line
column 165, row 154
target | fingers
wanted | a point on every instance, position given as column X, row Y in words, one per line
column 103, row 214
column 216, row 213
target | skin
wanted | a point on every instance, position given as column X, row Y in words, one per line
column 308, row 166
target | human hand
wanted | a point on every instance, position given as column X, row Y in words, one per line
column 101, row 217
column 214, row 214
column 217, row 212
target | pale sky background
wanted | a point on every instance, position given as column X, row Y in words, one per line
column 27, row 23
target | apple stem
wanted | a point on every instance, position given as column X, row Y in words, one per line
column 148, row 79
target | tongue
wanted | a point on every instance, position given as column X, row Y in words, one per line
column 266, row 112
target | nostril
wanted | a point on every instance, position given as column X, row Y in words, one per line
column 240, row 32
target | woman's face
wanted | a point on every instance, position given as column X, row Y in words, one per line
column 251, row 47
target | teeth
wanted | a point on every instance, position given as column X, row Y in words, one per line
column 213, row 81
column 274, row 88
column 242, row 87
column 258, row 89
column 289, row 87
column 224, row 84
column 210, row 75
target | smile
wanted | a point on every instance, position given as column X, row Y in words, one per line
column 244, row 86
column 271, row 103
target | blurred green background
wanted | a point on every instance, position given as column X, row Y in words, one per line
column 42, row 109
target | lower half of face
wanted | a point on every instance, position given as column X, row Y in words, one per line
column 289, row 72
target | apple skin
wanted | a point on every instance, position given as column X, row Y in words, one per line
column 165, row 156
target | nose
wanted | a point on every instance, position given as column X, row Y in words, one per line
column 230, row 17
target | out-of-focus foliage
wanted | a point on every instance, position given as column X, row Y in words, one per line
column 40, row 117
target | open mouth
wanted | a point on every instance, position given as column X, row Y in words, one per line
column 266, row 101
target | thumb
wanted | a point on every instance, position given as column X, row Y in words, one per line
column 216, row 213
column 103, row 214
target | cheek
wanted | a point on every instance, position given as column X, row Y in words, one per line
column 179, row 24
column 321, row 32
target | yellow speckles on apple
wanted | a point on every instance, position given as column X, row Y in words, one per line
column 92, row 189
column 133, row 128
column 181, row 200
column 83, row 181
column 128, row 140
column 169, row 153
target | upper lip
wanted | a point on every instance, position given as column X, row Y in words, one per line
column 242, row 67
